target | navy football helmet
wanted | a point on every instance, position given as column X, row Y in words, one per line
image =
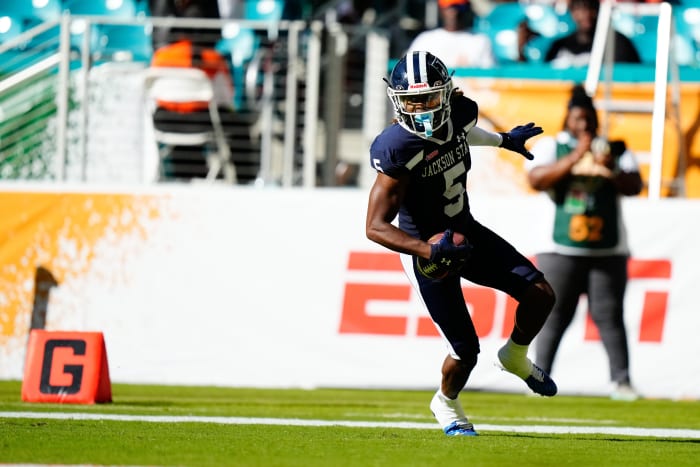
column 420, row 88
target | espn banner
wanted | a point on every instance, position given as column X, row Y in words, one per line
column 280, row 288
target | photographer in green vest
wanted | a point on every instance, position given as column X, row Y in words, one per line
column 585, row 176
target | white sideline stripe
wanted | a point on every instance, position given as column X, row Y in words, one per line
column 546, row 429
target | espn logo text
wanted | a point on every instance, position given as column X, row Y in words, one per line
column 378, row 300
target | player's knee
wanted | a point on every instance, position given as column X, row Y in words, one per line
column 467, row 358
column 539, row 295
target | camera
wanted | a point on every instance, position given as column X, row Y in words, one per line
column 604, row 147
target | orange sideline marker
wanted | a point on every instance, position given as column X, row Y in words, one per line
column 66, row 367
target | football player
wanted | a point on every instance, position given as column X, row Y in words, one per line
column 421, row 162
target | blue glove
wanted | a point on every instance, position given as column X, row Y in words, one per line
column 448, row 255
column 515, row 139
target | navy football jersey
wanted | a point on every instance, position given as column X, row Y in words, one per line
column 436, row 198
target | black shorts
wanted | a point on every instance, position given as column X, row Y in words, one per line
column 493, row 263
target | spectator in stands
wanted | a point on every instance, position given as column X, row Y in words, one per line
column 453, row 42
column 575, row 49
column 586, row 176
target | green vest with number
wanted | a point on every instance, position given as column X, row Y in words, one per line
column 586, row 210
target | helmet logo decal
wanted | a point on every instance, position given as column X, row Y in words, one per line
column 418, row 86
column 416, row 68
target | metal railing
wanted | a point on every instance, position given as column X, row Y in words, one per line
column 666, row 77
column 29, row 84
column 278, row 96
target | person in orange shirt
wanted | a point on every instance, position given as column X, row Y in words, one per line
column 186, row 54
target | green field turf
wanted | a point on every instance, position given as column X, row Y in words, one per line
column 199, row 426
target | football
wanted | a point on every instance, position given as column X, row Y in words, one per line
column 433, row 270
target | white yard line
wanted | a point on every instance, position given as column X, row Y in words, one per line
column 544, row 429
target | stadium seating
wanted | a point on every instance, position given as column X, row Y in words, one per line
column 120, row 42
column 688, row 33
column 501, row 25
column 263, row 10
column 547, row 21
column 112, row 41
column 20, row 15
column 642, row 30
column 17, row 17
column 112, row 8
column 10, row 27
column 31, row 10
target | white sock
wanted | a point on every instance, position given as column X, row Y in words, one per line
column 513, row 357
column 447, row 410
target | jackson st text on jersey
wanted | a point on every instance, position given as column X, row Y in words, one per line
column 436, row 198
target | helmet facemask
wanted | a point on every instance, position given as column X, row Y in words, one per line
column 422, row 110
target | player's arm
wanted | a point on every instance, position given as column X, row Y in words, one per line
column 478, row 136
column 513, row 140
column 384, row 201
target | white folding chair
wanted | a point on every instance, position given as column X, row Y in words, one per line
column 191, row 85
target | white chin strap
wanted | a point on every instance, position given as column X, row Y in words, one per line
column 427, row 121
